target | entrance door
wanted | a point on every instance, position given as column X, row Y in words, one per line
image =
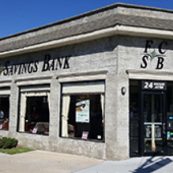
column 153, row 123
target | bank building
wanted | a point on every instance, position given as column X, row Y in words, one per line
column 99, row 84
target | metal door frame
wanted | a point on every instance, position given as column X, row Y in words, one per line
column 163, row 95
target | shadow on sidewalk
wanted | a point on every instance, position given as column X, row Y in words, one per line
column 151, row 165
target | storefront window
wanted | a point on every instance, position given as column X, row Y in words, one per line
column 134, row 114
column 169, row 118
column 34, row 113
column 4, row 112
column 83, row 113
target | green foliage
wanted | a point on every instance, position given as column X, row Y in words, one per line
column 16, row 150
column 6, row 142
column 9, row 146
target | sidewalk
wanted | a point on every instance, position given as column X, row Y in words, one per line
column 134, row 165
column 51, row 162
column 44, row 162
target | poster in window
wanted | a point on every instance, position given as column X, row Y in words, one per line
column 82, row 111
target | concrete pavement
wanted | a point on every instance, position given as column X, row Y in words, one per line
column 134, row 165
column 51, row 162
column 44, row 162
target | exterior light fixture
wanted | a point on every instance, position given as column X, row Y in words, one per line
column 123, row 90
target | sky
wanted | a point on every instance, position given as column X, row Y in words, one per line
column 21, row 15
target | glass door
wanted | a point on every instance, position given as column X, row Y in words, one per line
column 153, row 123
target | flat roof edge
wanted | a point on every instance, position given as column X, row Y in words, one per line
column 88, row 14
column 116, row 30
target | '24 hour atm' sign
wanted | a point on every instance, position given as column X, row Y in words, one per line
column 153, row 85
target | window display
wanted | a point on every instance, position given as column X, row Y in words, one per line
column 34, row 113
column 4, row 112
column 82, row 114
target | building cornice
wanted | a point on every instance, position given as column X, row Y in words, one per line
column 112, row 31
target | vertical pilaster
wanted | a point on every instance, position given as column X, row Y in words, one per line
column 54, row 120
column 117, row 119
column 14, row 105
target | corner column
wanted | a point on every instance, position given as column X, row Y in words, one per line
column 117, row 117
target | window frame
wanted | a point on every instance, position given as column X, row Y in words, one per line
column 6, row 95
column 103, row 93
column 6, row 92
column 32, row 91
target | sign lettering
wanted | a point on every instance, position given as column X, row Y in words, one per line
column 151, row 53
column 153, row 85
column 49, row 64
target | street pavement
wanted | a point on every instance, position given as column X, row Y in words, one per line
column 52, row 162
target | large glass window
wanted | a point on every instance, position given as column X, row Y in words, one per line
column 169, row 118
column 82, row 113
column 134, row 114
column 4, row 112
column 34, row 112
